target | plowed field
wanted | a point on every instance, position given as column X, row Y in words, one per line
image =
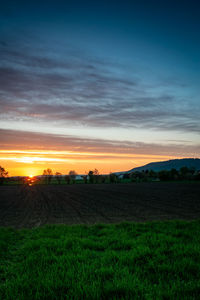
column 32, row 206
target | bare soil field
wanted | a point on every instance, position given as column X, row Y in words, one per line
column 33, row 206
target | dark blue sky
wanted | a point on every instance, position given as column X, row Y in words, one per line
column 123, row 70
column 162, row 27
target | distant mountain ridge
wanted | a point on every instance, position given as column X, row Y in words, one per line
column 168, row 165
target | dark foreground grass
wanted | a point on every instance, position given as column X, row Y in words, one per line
column 159, row 260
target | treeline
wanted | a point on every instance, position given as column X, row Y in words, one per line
column 165, row 175
column 70, row 178
column 92, row 176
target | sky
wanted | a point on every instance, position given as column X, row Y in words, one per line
column 110, row 85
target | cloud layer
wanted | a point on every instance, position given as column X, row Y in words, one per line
column 12, row 141
column 74, row 88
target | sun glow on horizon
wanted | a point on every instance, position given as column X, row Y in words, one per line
column 33, row 162
column 80, row 166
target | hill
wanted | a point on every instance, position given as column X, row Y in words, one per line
column 170, row 164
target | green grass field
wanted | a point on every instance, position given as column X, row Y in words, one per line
column 157, row 260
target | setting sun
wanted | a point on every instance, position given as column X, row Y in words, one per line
column 30, row 176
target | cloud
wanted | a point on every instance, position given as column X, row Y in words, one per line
column 75, row 87
column 12, row 141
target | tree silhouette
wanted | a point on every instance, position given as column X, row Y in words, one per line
column 58, row 177
column 96, row 175
column 112, row 178
column 91, row 176
column 85, row 178
column 72, row 175
column 48, row 173
column 3, row 175
column 184, row 172
column 67, row 179
column 103, row 178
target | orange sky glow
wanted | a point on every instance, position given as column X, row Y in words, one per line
column 23, row 153
column 33, row 162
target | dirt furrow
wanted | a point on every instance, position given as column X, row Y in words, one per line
column 30, row 206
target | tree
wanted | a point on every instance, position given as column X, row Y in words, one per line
column 85, row 178
column 58, row 177
column 103, row 178
column 48, row 173
column 126, row 176
column 3, row 175
column 112, row 178
column 133, row 176
column 174, row 174
column 164, row 175
column 91, row 176
column 67, row 179
column 152, row 174
column 96, row 175
column 72, row 175
column 184, row 172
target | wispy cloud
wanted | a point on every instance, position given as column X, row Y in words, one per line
column 65, row 146
column 85, row 90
